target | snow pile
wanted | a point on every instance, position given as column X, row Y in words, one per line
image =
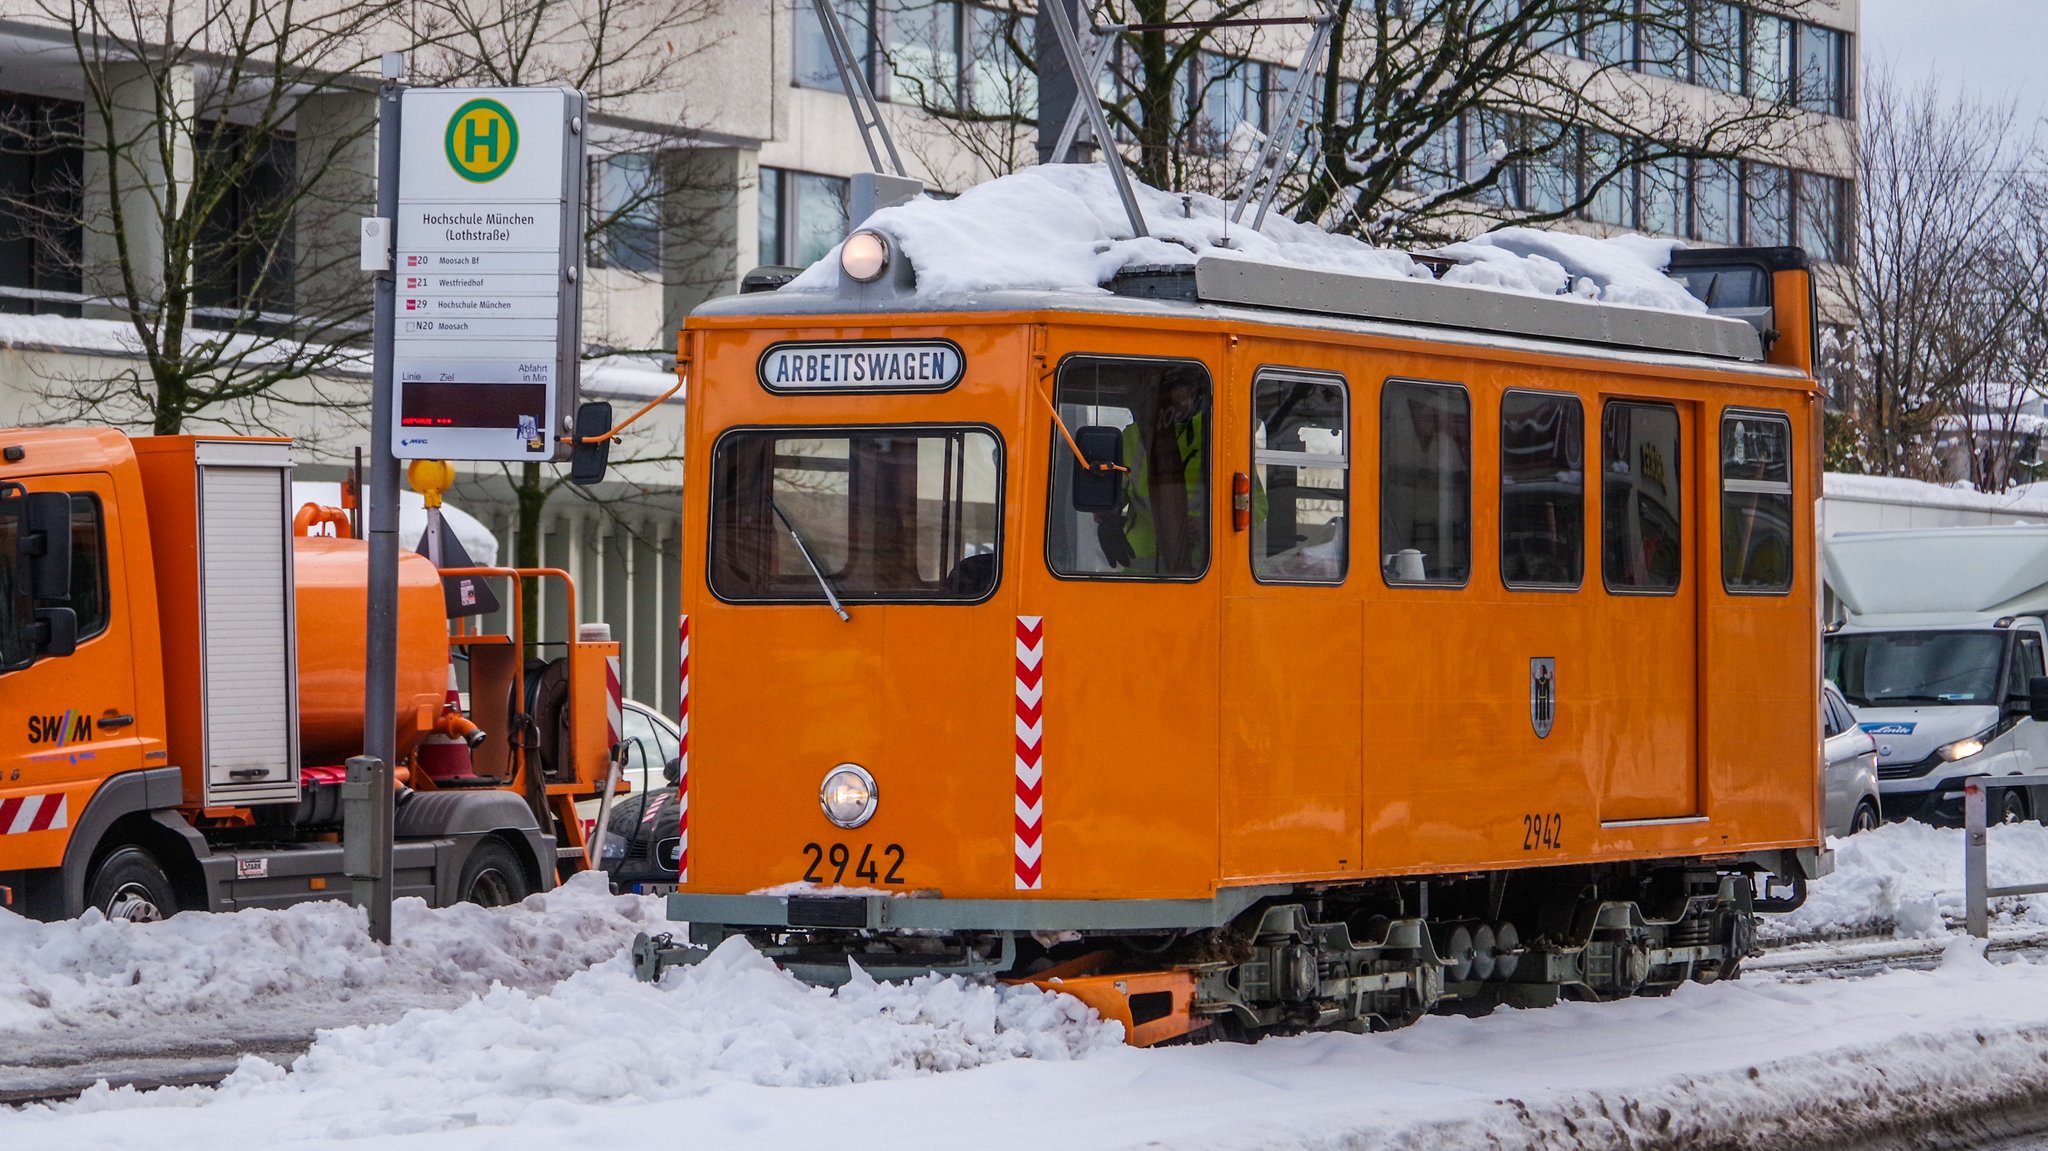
column 602, row 1037
column 1061, row 227
column 92, row 975
column 1907, row 878
column 1619, row 270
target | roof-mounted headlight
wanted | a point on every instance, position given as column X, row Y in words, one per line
column 865, row 255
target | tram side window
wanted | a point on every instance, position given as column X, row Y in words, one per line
column 875, row 514
column 1425, row 483
column 1542, row 490
column 1640, row 526
column 1301, row 469
column 1159, row 528
column 1756, row 502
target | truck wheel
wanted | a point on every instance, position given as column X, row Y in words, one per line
column 2011, row 806
column 129, row 884
column 493, row 877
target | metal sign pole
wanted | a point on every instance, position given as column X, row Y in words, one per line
column 380, row 679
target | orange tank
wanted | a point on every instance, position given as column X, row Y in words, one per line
column 331, row 574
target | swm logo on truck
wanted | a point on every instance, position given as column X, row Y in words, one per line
column 71, row 727
column 482, row 139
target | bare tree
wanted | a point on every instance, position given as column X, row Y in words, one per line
column 190, row 183
column 1442, row 116
column 1952, row 254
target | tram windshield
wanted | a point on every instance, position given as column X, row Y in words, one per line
column 886, row 514
column 1899, row 668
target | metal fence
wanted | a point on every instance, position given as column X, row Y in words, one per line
column 1977, row 889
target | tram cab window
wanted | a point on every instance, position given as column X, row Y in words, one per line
column 1641, row 533
column 1756, row 502
column 1542, row 490
column 1159, row 528
column 1425, row 483
column 884, row 514
column 1300, row 478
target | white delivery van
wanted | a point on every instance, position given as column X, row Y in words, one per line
column 1939, row 652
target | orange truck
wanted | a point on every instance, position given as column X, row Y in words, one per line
column 181, row 665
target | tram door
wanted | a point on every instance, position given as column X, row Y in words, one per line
column 1290, row 739
column 1648, row 639
column 1127, row 597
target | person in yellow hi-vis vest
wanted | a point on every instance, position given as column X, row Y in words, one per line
column 1160, row 528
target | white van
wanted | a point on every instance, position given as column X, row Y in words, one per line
column 1940, row 654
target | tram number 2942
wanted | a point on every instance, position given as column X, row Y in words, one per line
column 836, row 863
column 1541, row 830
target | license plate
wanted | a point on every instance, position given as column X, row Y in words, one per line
column 854, row 864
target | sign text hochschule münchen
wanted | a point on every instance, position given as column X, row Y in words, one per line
column 489, row 266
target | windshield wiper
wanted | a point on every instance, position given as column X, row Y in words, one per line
column 831, row 597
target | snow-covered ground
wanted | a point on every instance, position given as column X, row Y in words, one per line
column 735, row 1054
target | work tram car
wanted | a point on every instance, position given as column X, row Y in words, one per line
column 1250, row 648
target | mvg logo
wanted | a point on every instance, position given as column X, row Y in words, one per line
column 70, row 727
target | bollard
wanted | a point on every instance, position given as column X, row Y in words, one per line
column 1976, row 895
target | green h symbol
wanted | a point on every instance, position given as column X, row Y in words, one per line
column 477, row 132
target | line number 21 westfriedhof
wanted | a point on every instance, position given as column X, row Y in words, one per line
column 489, row 266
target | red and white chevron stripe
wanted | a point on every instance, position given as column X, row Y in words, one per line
column 683, row 753
column 614, row 708
column 33, row 813
column 1030, row 751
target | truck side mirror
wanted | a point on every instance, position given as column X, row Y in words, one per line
column 2037, row 699
column 1098, row 490
column 55, row 631
column 593, row 449
column 48, row 545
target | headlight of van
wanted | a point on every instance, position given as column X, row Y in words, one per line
column 1963, row 748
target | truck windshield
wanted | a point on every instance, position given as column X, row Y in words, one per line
column 887, row 514
column 1887, row 668
column 15, row 608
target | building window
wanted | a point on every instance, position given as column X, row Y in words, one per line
column 999, row 82
column 1767, row 200
column 1433, row 169
column 627, row 203
column 1542, row 490
column 1301, row 470
column 1756, row 502
column 1822, row 77
column 1660, row 38
column 921, row 52
column 1615, row 201
column 1641, row 532
column 1716, row 201
column 1663, row 205
column 803, row 215
column 1156, row 413
column 1425, row 483
column 814, row 64
column 42, row 236
column 1550, row 176
column 1231, row 94
column 1717, row 45
column 244, row 258
column 1769, row 56
column 1821, row 225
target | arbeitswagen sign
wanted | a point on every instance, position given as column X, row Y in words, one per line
column 489, row 261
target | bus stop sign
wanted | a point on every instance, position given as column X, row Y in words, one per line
column 489, row 263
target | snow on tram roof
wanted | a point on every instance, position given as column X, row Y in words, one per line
column 1061, row 228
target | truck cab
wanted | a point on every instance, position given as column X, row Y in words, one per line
column 182, row 669
column 1939, row 654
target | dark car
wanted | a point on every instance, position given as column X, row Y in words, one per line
column 641, row 841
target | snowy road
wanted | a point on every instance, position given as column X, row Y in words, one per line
column 734, row 1054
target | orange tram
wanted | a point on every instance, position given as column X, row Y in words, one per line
column 1251, row 648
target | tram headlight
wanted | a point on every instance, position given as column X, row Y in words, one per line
column 849, row 795
column 865, row 255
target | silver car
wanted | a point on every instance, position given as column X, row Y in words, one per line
column 1850, row 756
